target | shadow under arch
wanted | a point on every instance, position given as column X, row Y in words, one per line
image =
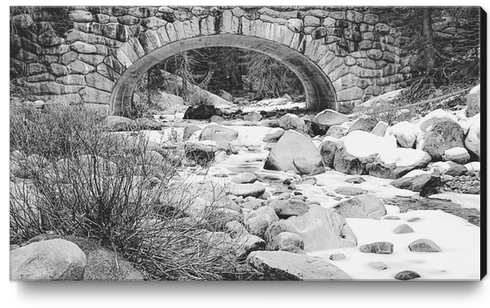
column 320, row 93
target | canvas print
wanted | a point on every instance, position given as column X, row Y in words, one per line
column 246, row 143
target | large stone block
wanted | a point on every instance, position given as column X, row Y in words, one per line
column 96, row 80
column 91, row 95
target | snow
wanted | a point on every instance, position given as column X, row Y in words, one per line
column 402, row 157
column 439, row 166
column 273, row 105
column 363, row 144
column 415, row 173
column 408, row 131
column 458, row 239
column 473, row 166
column 457, row 151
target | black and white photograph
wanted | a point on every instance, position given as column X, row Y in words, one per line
column 246, row 143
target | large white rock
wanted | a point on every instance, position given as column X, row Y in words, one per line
column 295, row 152
column 47, row 260
column 403, row 157
column 405, row 133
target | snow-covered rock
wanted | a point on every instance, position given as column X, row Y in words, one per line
column 406, row 133
column 440, row 167
column 394, row 163
column 443, row 135
column 435, row 116
column 295, row 152
column 218, row 133
column 458, row 155
column 364, row 144
column 330, row 117
column 320, row 228
column 362, row 206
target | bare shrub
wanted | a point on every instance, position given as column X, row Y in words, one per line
column 115, row 189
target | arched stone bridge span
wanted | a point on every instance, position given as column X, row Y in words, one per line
column 340, row 54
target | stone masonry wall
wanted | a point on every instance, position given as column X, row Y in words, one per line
column 359, row 49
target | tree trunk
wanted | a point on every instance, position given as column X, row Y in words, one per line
column 430, row 60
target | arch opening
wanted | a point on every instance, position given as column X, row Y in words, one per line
column 319, row 91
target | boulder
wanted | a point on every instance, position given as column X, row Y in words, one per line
column 415, row 183
column 286, row 239
column 473, row 102
column 245, row 190
column 248, row 243
column 402, row 229
column 118, row 123
column 253, row 116
column 235, row 229
column 280, row 265
column 472, row 140
column 189, row 130
column 327, row 149
column 218, row 133
column 378, row 248
column 216, row 119
column 287, row 208
column 359, row 149
column 407, row 275
column 329, row 117
column 244, row 178
column 378, row 265
column 394, row 163
column 55, row 259
column 295, row 152
column 292, row 121
column 258, row 221
column 350, row 191
column 364, row 123
column 274, row 137
column 202, row 112
column 406, row 133
column 424, row 245
column 436, row 116
column 336, row 131
column 320, row 229
column 456, row 170
column 458, row 155
column 441, row 136
column 362, row 206
column 380, row 129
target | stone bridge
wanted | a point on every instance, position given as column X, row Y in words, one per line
column 340, row 54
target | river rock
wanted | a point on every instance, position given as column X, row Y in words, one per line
column 402, row 229
column 456, row 170
column 281, row 265
column 218, row 133
column 202, row 112
column 442, row 136
column 473, row 102
column 329, row 117
column 253, row 116
column 245, row 190
column 406, row 133
column 458, row 155
column 350, row 191
column 378, row 265
column 424, row 245
column 292, row 121
column 274, row 137
column 327, row 149
column 286, row 239
column 378, row 248
column 407, row 275
column 248, row 243
column 244, row 178
column 362, row 206
column 472, row 140
column 287, row 208
column 394, row 163
column 55, row 259
column 320, row 229
column 364, row 123
column 118, row 123
column 294, row 151
column 336, row 131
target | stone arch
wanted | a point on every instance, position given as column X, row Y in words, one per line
column 319, row 90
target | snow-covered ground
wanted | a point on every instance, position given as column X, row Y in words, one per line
column 458, row 239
